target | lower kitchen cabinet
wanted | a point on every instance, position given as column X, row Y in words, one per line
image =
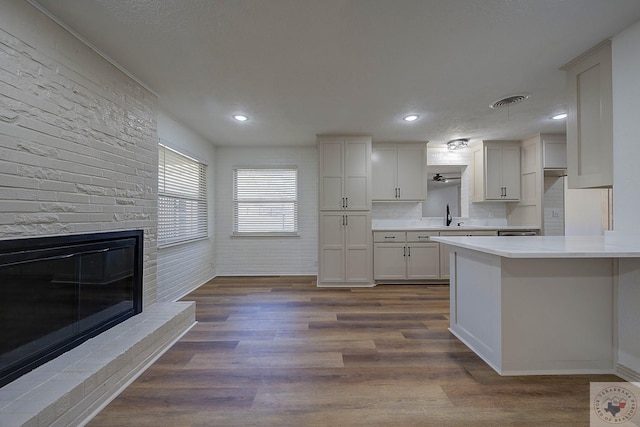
column 405, row 256
column 344, row 248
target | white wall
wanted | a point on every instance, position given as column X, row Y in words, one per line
column 184, row 267
column 626, row 200
column 584, row 211
column 78, row 139
column 267, row 255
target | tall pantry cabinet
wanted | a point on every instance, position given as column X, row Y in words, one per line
column 344, row 253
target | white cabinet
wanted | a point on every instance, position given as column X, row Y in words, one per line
column 590, row 119
column 554, row 151
column 496, row 171
column 398, row 172
column 344, row 189
column 345, row 170
column 400, row 256
column 345, row 248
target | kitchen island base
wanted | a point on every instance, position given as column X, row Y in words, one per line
column 534, row 316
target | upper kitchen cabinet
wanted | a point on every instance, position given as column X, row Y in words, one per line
column 590, row 119
column 496, row 171
column 398, row 172
column 554, row 151
column 345, row 171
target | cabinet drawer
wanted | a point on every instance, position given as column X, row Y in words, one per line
column 421, row 236
column 389, row 236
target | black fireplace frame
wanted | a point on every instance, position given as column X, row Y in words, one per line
column 77, row 244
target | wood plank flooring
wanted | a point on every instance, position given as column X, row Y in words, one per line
column 278, row 351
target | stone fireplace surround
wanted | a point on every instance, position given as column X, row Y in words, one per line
column 72, row 388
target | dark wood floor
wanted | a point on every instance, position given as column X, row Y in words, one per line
column 278, row 351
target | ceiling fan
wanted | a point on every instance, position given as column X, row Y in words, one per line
column 440, row 178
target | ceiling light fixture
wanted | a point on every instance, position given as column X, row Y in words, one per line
column 458, row 144
column 559, row 116
column 411, row 118
column 240, row 117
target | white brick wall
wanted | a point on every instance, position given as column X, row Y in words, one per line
column 78, row 139
column 185, row 267
column 267, row 255
column 553, row 202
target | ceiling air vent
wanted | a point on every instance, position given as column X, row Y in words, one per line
column 510, row 100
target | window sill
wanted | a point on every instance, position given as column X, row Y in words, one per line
column 265, row 235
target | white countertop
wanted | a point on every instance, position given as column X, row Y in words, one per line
column 415, row 227
column 549, row 246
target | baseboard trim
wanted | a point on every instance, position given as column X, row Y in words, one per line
column 627, row 374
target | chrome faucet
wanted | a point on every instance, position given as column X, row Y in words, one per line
column 448, row 217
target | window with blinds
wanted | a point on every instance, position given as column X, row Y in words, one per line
column 265, row 200
column 182, row 198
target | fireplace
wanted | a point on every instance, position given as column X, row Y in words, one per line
column 57, row 292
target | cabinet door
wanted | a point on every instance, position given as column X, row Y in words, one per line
column 554, row 151
column 383, row 173
column 389, row 261
column 331, row 265
column 493, row 173
column 590, row 121
column 357, row 169
column 357, row 247
column 511, row 173
column 411, row 180
column 423, row 261
column 331, row 175
column 478, row 184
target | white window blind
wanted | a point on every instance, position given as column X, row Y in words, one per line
column 265, row 200
column 182, row 198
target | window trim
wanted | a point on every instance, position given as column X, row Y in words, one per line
column 265, row 234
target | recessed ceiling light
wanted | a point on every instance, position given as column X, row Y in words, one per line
column 240, row 117
column 411, row 118
column 559, row 116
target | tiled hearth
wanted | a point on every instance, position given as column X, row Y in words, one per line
column 71, row 388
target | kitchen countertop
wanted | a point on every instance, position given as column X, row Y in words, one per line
column 549, row 246
column 414, row 227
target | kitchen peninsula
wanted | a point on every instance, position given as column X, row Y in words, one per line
column 537, row 305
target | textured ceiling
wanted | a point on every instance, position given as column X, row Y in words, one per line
column 299, row 68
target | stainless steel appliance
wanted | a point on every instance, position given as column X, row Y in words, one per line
column 517, row 233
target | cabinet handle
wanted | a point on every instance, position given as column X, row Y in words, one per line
column 398, row 192
column 346, row 220
column 346, row 202
column 505, row 191
column 389, row 237
column 408, row 250
column 404, row 251
column 423, row 237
